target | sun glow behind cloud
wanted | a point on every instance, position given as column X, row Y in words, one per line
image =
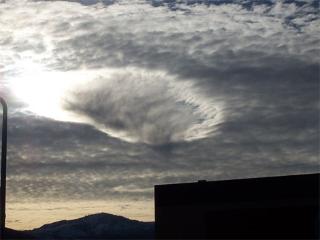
column 144, row 97
column 41, row 90
column 151, row 105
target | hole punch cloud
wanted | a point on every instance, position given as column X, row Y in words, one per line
column 145, row 106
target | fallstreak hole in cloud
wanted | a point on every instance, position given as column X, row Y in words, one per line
column 132, row 104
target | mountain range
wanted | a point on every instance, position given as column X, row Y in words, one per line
column 97, row 226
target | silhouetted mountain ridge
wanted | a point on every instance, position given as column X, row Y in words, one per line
column 14, row 234
column 97, row 226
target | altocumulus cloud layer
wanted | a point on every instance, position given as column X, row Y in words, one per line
column 149, row 92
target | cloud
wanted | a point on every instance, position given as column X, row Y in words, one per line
column 175, row 91
column 149, row 107
column 217, row 57
column 84, row 2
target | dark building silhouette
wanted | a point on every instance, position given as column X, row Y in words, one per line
column 271, row 207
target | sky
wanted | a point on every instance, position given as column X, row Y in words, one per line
column 108, row 98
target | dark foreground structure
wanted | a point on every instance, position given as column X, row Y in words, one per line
column 272, row 207
column 3, row 166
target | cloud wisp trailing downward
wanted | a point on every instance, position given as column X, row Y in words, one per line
column 149, row 107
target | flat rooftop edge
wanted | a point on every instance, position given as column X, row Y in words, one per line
column 238, row 180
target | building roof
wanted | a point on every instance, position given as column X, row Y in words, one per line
column 280, row 188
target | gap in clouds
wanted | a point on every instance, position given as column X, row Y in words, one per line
column 146, row 106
